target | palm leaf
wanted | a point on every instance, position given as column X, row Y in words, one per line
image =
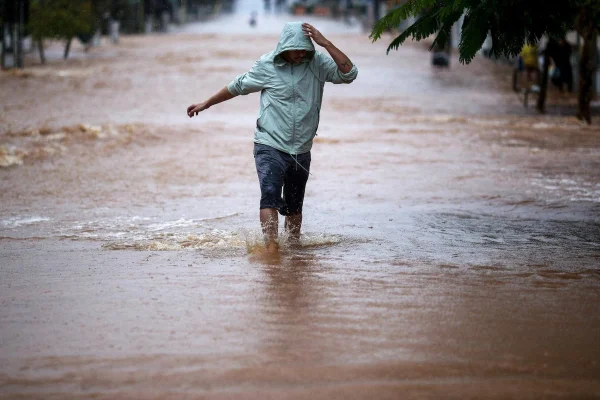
column 510, row 23
column 474, row 32
column 393, row 18
column 444, row 33
column 423, row 28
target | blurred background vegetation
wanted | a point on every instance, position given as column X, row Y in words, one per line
column 496, row 28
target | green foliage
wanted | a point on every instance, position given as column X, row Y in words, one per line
column 99, row 9
column 119, row 9
column 589, row 14
column 510, row 23
column 60, row 19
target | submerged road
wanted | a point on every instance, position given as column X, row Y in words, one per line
column 450, row 248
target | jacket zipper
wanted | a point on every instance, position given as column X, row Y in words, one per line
column 294, row 110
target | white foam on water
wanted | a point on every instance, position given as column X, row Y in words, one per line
column 136, row 228
column 183, row 223
column 180, row 223
column 484, row 122
column 593, row 196
column 15, row 222
column 437, row 119
column 222, row 241
column 11, row 155
column 143, row 233
column 319, row 239
column 218, row 217
column 214, row 239
column 569, row 189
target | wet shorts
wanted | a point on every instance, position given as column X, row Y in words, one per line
column 277, row 171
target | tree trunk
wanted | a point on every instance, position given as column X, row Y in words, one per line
column 40, row 44
column 67, row 47
column 541, row 101
column 587, row 64
column 587, row 68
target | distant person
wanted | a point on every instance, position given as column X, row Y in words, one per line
column 529, row 57
column 440, row 57
column 253, row 20
column 291, row 80
column 560, row 52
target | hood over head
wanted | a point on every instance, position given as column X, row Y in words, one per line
column 293, row 38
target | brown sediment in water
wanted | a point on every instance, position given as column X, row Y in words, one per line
column 449, row 249
column 34, row 145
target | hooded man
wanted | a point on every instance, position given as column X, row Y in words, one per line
column 291, row 80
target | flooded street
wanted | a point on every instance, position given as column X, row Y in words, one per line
column 450, row 248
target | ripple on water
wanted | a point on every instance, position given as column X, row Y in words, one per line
column 502, row 240
column 567, row 188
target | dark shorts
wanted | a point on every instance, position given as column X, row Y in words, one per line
column 278, row 171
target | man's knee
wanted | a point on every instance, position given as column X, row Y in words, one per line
column 270, row 197
column 270, row 191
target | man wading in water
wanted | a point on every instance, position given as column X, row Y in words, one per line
column 291, row 81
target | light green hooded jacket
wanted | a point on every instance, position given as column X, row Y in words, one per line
column 290, row 99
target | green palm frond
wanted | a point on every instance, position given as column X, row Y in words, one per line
column 392, row 19
column 510, row 23
column 444, row 33
column 424, row 27
column 474, row 32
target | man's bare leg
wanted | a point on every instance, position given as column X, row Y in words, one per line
column 269, row 224
column 293, row 223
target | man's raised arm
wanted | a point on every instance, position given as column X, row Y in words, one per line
column 344, row 64
column 346, row 71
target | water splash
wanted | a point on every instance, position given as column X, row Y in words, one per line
column 221, row 241
column 17, row 221
column 11, row 155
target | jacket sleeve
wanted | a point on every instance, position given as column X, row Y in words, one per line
column 328, row 70
column 250, row 82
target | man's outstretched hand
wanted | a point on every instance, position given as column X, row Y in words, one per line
column 194, row 109
column 315, row 35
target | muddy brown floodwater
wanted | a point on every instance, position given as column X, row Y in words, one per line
column 451, row 245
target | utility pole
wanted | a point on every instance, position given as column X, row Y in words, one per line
column 376, row 7
column 182, row 11
column 20, row 31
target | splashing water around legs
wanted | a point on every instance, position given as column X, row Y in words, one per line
column 268, row 223
column 293, row 224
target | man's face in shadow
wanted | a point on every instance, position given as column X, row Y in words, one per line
column 294, row 56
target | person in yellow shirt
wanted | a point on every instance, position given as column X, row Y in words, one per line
column 529, row 56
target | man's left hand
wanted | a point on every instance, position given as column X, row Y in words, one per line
column 315, row 35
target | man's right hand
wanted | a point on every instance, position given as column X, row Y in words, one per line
column 194, row 109
column 221, row 96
